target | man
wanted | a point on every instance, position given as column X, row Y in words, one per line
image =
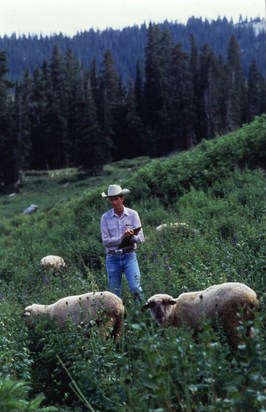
column 121, row 232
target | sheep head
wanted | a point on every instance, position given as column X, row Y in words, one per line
column 32, row 311
column 160, row 307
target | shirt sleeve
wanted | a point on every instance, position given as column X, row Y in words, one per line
column 107, row 240
column 139, row 238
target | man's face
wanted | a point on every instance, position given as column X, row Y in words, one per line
column 116, row 202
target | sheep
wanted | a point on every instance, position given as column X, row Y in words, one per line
column 30, row 209
column 231, row 302
column 104, row 308
column 53, row 262
column 178, row 227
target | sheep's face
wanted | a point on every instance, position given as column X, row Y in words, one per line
column 31, row 312
column 160, row 308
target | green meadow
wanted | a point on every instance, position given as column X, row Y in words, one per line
column 219, row 190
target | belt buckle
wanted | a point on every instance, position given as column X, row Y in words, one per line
column 118, row 252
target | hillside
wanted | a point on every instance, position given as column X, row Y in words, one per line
column 218, row 190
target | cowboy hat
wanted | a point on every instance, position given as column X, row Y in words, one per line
column 115, row 190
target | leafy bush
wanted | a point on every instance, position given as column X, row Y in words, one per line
column 14, row 397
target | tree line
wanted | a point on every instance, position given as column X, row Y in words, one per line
column 128, row 44
column 65, row 115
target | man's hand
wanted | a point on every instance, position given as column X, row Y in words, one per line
column 128, row 233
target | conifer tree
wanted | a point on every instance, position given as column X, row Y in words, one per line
column 211, row 77
column 131, row 126
column 91, row 149
column 8, row 159
column 74, row 96
column 235, row 105
column 40, row 112
column 256, row 94
column 23, row 119
column 58, row 139
column 110, row 103
column 180, row 106
column 153, row 87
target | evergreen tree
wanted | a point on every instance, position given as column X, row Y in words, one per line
column 153, row 93
column 91, row 150
column 94, row 80
column 110, row 104
column 236, row 103
column 74, row 92
column 209, row 115
column 41, row 129
column 256, row 94
column 58, row 139
column 180, row 108
column 194, row 68
column 131, row 126
column 23, row 107
column 138, row 89
column 8, row 160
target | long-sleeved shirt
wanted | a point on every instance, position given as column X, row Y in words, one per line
column 113, row 227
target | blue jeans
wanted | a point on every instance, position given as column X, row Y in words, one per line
column 126, row 263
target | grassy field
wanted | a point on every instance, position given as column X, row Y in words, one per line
column 218, row 190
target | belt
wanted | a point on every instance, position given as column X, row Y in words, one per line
column 120, row 251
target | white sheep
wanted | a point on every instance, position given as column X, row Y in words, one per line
column 105, row 308
column 231, row 302
column 177, row 227
column 53, row 262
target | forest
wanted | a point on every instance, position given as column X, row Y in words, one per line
column 128, row 44
column 64, row 115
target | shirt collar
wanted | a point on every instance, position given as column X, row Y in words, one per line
column 125, row 212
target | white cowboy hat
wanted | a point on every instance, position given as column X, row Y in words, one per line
column 115, row 190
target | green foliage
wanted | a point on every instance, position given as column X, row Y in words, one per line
column 15, row 360
column 151, row 368
column 202, row 166
column 14, row 397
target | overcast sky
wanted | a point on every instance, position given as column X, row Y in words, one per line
column 72, row 16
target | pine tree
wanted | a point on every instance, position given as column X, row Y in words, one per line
column 58, row 141
column 40, row 112
column 256, row 93
column 153, row 85
column 211, row 78
column 8, row 159
column 131, row 126
column 110, row 104
column 235, row 105
column 180, row 108
column 74, row 103
column 23, row 118
column 91, row 149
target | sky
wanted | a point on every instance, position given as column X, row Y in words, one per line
column 69, row 17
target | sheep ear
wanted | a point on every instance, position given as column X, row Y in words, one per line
column 146, row 306
column 171, row 302
column 26, row 314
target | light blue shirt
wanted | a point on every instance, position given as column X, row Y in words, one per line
column 113, row 227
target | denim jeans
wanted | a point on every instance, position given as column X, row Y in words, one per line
column 126, row 263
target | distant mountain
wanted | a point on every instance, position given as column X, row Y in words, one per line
column 128, row 45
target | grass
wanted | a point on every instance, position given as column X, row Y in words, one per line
column 49, row 188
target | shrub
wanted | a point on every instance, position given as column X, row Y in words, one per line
column 14, row 396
